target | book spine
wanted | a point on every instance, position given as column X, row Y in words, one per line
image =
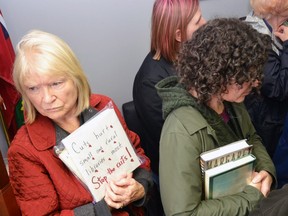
column 203, row 168
column 205, row 165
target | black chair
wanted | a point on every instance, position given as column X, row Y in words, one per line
column 131, row 118
column 154, row 205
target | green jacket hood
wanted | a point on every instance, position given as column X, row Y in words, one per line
column 173, row 95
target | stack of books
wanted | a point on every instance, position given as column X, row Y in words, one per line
column 227, row 170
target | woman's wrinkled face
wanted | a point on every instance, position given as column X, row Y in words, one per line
column 237, row 93
column 277, row 20
column 52, row 96
column 196, row 22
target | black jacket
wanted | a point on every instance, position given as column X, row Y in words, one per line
column 148, row 104
column 276, row 204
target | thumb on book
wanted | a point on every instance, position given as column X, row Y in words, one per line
column 256, row 178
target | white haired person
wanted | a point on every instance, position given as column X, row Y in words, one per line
column 269, row 108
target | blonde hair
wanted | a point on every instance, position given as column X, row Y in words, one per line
column 45, row 53
column 266, row 8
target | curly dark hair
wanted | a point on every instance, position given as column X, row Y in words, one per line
column 221, row 51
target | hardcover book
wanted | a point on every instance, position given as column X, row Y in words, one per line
column 224, row 154
column 229, row 178
column 98, row 151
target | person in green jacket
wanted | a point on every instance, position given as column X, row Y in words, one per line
column 203, row 110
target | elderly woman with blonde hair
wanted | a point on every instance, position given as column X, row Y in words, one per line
column 57, row 101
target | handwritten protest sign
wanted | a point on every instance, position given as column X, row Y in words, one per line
column 98, row 151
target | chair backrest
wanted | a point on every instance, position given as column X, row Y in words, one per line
column 131, row 118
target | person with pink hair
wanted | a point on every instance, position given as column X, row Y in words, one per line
column 172, row 22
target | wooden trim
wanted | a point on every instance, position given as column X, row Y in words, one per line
column 8, row 204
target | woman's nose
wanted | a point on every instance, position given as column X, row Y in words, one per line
column 255, row 83
column 48, row 95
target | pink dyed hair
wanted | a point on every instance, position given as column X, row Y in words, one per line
column 167, row 17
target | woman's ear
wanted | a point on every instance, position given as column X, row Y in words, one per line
column 178, row 36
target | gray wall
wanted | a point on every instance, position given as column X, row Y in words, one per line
column 110, row 37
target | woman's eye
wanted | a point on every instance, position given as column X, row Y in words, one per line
column 57, row 84
column 33, row 89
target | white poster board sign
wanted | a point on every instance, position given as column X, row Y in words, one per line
column 98, row 151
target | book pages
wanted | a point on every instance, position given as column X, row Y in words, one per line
column 224, row 154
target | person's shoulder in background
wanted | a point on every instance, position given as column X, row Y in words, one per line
column 276, row 204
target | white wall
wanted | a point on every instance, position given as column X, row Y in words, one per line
column 224, row 8
column 110, row 37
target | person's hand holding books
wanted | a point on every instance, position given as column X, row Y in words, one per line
column 255, row 184
column 265, row 179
